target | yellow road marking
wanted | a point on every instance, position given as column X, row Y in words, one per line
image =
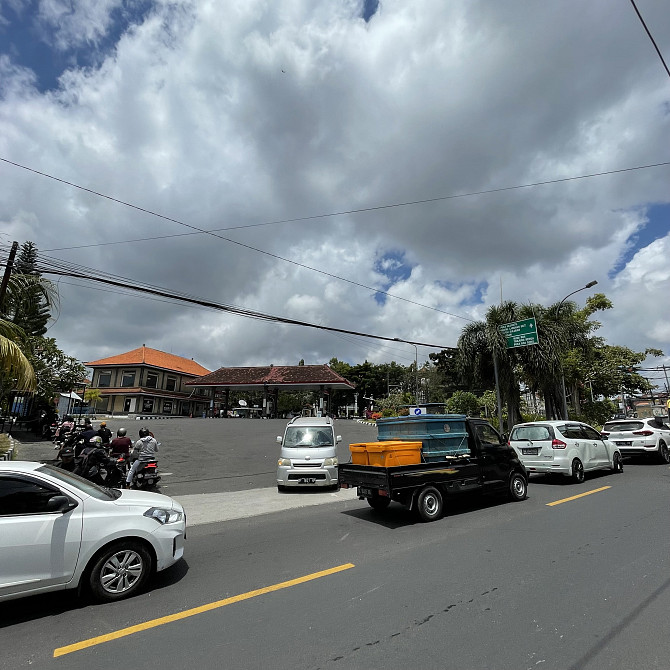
column 581, row 495
column 153, row 623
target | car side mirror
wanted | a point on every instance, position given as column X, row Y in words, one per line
column 60, row 504
column 338, row 439
column 279, row 439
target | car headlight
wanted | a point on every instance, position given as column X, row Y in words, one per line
column 330, row 461
column 164, row 516
column 284, row 461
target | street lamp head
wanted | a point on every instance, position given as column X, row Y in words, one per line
column 591, row 283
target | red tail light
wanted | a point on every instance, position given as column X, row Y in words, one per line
column 643, row 432
column 151, row 465
column 558, row 444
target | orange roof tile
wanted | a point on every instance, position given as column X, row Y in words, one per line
column 154, row 358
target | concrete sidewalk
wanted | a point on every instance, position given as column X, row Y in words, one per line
column 214, row 507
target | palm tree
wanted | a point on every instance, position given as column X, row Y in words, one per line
column 16, row 372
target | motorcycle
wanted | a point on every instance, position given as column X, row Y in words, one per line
column 146, row 476
column 97, row 466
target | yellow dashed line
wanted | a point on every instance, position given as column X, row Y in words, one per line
column 153, row 623
column 581, row 495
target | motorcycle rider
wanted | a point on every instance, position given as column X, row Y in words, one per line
column 105, row 433
column 144, row 451
column 65, row 427
column 121, row 444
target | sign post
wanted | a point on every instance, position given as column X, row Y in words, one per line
column 520, row 333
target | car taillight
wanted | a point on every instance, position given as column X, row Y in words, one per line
column 643, row 432
column 558, row 444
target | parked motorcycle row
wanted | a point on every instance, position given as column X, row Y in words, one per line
column 93, row 460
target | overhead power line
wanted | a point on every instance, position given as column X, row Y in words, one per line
column 651, row 37
column 213, row 232
column 63, row 269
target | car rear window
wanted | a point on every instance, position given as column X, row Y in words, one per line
column 533, row 433
column 623, row 426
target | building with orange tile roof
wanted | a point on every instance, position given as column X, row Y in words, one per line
column 149, row 381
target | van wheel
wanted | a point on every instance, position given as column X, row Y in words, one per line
column 577, row 471
column 429, row 504
column 120, row 571
column 379, row 503
column 663, row 452
column 617, row 463
column 518, row 487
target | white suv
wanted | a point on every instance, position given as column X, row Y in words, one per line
column 564, row 447
column 308, row 454
column 640, row 437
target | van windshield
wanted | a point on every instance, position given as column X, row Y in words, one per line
column 308, row 436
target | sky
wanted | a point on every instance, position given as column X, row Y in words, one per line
column 365, row 165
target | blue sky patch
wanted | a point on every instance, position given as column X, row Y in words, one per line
column 657, row 226
column 23, row 39
column 369, row 9
column 395, row 268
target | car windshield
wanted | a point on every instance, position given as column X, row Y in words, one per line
column 95, row 491
column 308, row 436
column 532, row 433
column 623, row 426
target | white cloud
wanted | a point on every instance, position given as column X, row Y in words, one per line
column 222, row 115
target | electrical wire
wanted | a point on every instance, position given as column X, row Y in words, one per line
column 212, row 232
column 653, row 41
column 64, row 269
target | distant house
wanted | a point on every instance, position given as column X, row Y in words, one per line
column 148, row 381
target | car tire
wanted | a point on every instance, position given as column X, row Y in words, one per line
column 617, row 463
column 429, row 504
column 663, row 452
column 281, row 488
column 577, row 471
column 379, row 503
column 120, row 571
column 518, row 487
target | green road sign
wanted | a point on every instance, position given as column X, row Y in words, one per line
column 520, row 333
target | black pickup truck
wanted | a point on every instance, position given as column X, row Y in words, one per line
column 483, row 462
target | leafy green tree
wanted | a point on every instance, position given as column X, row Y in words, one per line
column 394, row 405
column 463, row 402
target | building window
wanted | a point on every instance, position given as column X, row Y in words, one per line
column 167, row 407
column 152, row 380
column 171, row 384
column 128, row 378
column 148, row 405
column 105, row 379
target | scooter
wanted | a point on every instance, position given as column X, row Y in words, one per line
column 97, row 466
column 146, row 476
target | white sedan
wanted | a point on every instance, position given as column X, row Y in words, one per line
column 640, row 437
column 60, row 531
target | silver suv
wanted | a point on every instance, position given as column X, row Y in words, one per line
column 308, row 455
column 639, row 437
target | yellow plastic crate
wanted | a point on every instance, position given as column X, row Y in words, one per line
column 359, row 456
column 387, row 454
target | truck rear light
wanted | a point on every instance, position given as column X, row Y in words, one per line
column 558, row 444
column 643, row 432
column 383, row 493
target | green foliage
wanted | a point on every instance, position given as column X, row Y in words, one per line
column 597, row 413
column 463, row 402
column 393, row 405
column 55, row 371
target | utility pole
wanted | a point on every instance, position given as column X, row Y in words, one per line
column 8, row 272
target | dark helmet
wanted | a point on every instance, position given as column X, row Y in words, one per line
column 68, row 417
column 121, row 432
column 144, row 432
column 87, row 421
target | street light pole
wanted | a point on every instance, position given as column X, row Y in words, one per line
column 558, row 310
column 416, row 368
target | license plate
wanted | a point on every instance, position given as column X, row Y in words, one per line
column 307, row 480
column 529, row 452
column 366, row 492
column 624, row 444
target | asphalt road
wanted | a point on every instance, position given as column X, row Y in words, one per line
column 578, row 585
column 216, row 455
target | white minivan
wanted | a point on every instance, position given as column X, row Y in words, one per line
column 308, row 455
column 568, row 448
